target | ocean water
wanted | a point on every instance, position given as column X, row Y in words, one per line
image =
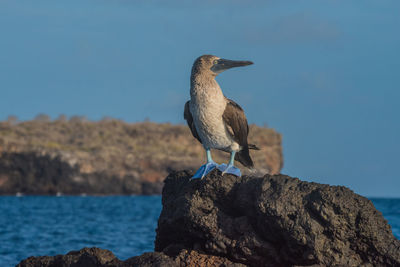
column 44, row 225
column 390, row 208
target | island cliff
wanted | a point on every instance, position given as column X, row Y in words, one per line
column 271, row 220
column 110, row 156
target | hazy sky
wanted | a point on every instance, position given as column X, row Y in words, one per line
column 326, row 73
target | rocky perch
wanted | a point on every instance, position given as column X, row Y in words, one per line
column 273, row 220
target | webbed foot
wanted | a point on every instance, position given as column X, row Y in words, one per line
column 204, row 170
column 229, row 169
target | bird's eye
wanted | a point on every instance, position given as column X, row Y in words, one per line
column 215, row 62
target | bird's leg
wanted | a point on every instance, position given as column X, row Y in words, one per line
column 230, row 168
column 206, row 168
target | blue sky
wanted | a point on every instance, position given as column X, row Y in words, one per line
column 326, row 73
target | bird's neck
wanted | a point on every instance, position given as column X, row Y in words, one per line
column 204, row 87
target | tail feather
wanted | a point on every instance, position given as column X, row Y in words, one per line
column 243, row 157
column 252, row 146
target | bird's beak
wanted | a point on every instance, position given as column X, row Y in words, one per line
column 224, row 64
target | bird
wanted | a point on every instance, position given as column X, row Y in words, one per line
column 216, row 121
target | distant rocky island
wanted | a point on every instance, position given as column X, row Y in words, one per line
column 76, row 156
column 270, row 220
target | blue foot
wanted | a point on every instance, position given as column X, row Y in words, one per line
column 204, row 170
column 229, row 169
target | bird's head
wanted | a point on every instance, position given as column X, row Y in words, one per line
column 212, row 65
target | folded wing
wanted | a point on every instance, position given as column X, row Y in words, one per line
column 236, row 124
column 189, row 119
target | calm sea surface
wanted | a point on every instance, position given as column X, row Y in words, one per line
column 39, row 225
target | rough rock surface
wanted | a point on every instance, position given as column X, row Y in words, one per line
column 273, row 220
column 94, row 257
column 82, row 258
column 182, row 259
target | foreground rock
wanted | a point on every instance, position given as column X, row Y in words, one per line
column 267, row 221
column 93, row 257
column 84, row 257
column 274, row 221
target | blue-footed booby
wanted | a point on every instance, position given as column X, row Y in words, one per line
column 214, row 120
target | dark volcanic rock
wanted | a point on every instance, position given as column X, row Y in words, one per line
column 182, row 259
column 273, row 221
column 36, row 174
column 96, row 257
column 85, row 257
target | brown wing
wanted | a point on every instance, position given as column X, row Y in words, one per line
column 236, row 122
column 189, row 119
